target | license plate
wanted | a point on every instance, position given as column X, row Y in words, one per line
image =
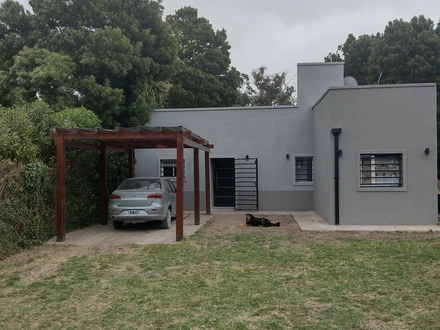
column 133, row 212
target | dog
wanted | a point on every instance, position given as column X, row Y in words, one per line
column 264, row 222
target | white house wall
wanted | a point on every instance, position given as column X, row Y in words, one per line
column 377, row 118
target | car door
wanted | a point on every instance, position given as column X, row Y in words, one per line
column 172, row 193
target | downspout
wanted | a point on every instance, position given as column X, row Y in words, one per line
column 336, row 132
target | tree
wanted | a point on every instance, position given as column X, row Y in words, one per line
column 110, row 56
column 334, row 57
column 356, row 54
column 204, row 77
column 263, row 89
column 407, row 52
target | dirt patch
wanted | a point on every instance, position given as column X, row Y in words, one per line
column 232, row 223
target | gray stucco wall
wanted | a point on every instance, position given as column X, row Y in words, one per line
column 379, row 119
column 315, row 78
column 264, row 133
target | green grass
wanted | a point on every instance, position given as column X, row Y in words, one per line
column 246, row 281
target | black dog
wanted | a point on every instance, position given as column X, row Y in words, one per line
column 254, row 221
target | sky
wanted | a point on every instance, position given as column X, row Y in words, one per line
column 279, row 34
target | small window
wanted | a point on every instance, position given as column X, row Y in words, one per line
column 168, row 168
column 381, row 170
column 303, row 169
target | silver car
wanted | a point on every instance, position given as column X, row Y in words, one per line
column 139, row 200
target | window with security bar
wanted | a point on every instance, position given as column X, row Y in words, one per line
column 303, row 169
column 381, row 170
column 168, row 168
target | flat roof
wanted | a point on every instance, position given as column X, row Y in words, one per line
column 371, row 87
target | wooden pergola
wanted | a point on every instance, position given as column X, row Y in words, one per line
column 126, row 140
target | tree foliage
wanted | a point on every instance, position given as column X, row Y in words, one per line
column 407, row 52
column 263, row 89
column 204, row 77
column 106, row 55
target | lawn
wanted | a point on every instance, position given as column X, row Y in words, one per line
column 240, row 278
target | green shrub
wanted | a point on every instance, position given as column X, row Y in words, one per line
column 27, row 204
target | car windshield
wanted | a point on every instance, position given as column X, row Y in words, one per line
column 153, row 184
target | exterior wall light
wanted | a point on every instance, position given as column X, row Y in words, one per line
column 287, row 156
column 427, row 151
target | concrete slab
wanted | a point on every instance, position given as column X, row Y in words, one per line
column 142, row 234
column 310, row 221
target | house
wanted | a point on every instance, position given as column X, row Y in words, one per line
column 353, row 154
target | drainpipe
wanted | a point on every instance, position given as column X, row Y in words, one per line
column 336, row 132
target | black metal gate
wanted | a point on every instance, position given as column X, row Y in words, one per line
column 246, row 184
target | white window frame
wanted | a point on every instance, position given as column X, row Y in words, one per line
column 170, row 160
column 403, row 176
column 302, row 183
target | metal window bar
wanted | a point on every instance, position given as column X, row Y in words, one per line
column 304, row 169
column 168, row 168
column 381, row 170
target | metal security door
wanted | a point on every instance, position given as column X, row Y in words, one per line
column 223, row 177
column 246, row 184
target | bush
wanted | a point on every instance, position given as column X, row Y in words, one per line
column 27, row 205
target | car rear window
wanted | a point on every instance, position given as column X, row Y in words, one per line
column 151, row 184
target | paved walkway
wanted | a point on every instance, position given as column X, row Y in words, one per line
column 310, row 221
column 151, row 233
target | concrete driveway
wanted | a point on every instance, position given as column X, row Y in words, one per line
column 142, row 233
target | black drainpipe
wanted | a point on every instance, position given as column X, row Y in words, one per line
column 336, row 132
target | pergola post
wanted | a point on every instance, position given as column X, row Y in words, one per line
column 61, row 189
column 103, row 173
column 130, row 163
column 196, row 188
column 207, row 184
column 179, row 182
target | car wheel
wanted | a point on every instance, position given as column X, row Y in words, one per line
column 166, row 223
column 117, row 224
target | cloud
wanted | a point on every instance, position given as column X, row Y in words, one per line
column 279, row 34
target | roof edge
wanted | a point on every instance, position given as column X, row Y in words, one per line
column 229, row 108
column 333, row 88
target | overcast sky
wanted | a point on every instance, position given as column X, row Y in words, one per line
column 279, row 34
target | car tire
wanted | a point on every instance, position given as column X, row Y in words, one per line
column 166, row 223
column 117, row 224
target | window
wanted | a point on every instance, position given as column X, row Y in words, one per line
column 381, row 170
column 168, row 168
column 303, row 169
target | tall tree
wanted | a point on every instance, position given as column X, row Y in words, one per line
column 407, row 52
column 334, row 57
column 204, row 77
column 356, row 54
column 263, row 89
column 110, row 56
